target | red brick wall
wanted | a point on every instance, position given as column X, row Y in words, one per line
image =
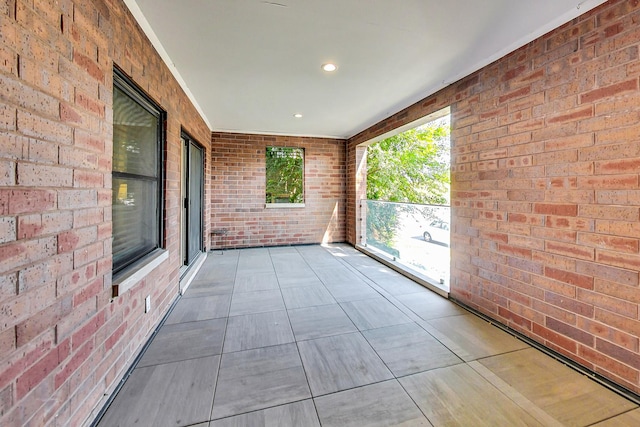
column 238, row 188
column 63, row 341
column 545, row 189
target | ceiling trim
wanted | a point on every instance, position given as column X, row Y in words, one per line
column 295, row 135
column 411, row 125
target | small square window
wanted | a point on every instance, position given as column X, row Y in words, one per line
column 285, row 175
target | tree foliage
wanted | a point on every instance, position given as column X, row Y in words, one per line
column 284, row 172
column 411, row 167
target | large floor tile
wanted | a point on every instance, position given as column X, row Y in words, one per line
column 341, row 362
column 218, row 267
column 382, row 404
column 280, row 250
column 173, row 395
column 256, row 302
column 318, row 257
column 294, row 271
column 298, row 414
column 256, row 261
column 394, row 283
column 355, row 292
column 203, row 308
column 257, row 379
column 408, row 349
column 209, row 287
column 457, row 395
column 429, row 305
column 257, row 330
column 563, row 393
column 286, row 258
column 183, row 341
column 339, row 276
column 306, row 296
column 255, row 282
column 321, row 321
column 471, row 337
column 374, row 313
column 298, row 278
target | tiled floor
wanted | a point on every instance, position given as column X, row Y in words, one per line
column 315, row 336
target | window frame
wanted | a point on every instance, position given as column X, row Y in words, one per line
column 275, row 205
column 129, row 88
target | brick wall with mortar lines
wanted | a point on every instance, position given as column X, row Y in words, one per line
column 63, row 341
column 238, row 185
column 545, row 189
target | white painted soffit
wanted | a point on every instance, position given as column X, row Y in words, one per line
column 252, row 64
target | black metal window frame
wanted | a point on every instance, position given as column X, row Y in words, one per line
column 136, row 94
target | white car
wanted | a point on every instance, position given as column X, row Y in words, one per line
column 437, row 231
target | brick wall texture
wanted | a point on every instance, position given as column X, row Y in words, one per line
column 63, row 341
column 238, row 188
column 545, row 189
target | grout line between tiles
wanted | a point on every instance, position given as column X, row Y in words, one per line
column 514, row 395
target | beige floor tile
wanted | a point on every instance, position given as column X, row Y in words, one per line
column 459, row 396
column 563, row 393
column 471, row 337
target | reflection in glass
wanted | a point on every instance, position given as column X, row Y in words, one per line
column 285, row 175
column 135, row 137
column 134, row 216
column 416, row 236
column 136, row 180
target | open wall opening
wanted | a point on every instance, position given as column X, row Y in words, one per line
column 404, row 200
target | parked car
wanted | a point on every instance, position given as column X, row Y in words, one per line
column 437, row 231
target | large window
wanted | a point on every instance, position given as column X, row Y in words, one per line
column 285, row 175
column 137, row 174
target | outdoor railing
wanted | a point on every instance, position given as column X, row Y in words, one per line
column 413, row 235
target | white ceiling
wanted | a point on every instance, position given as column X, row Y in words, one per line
column 249, row 65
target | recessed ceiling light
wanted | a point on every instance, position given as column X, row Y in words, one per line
column 329, row 67
column 297, row 115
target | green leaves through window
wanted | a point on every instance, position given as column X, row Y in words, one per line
column 285, row 175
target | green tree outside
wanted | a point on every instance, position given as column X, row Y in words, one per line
column 285, row 175
column 411, row 167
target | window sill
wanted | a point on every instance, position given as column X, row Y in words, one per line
column 138, row 271
column 283, row 205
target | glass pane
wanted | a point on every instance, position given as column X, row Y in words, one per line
column 195, row 201
column 285, row 175
column 135, row 220
column 416, row 236
column 135, row 137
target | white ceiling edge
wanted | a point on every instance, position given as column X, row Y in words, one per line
column 581, row 8
column 155, row 41
column 411, row 125
column 270, row 133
